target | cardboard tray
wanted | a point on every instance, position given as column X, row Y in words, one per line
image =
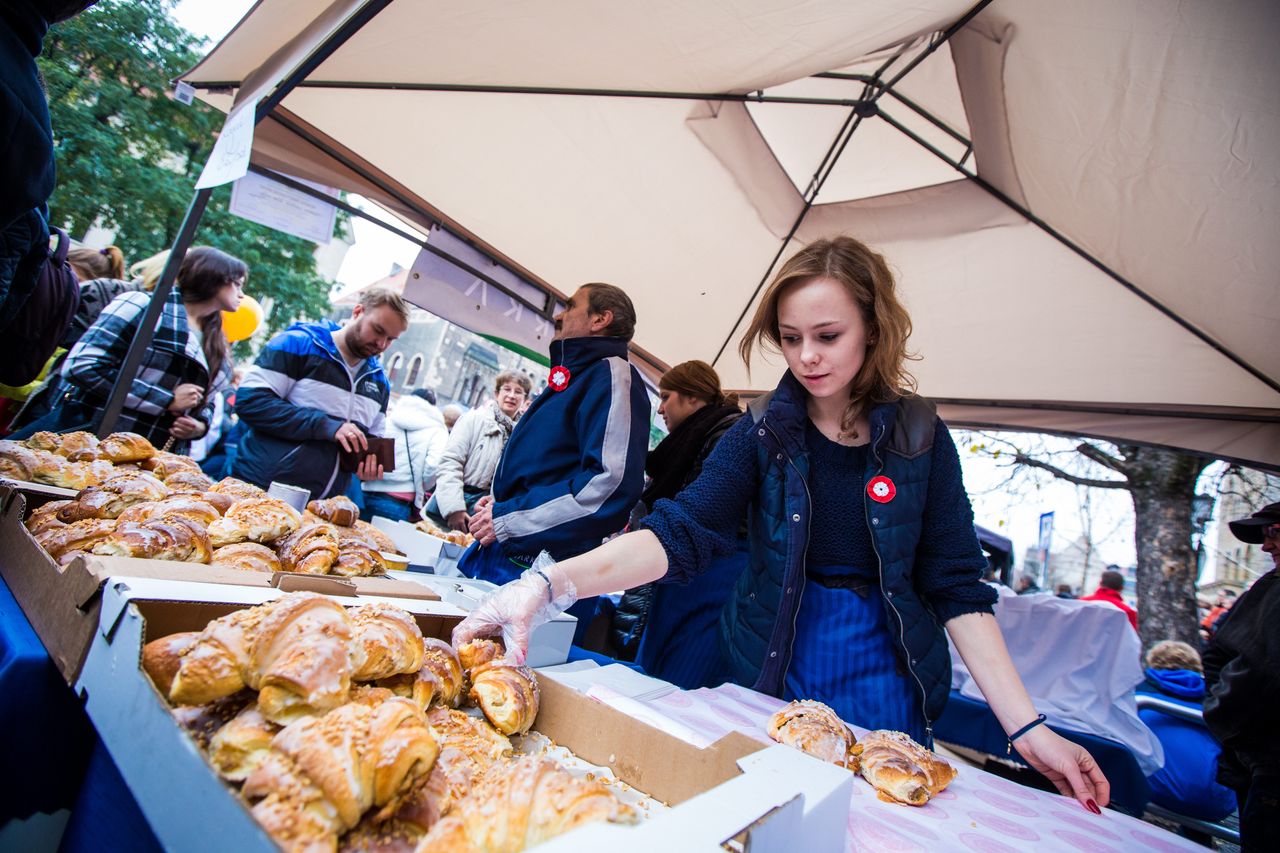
column 62, row 604
column 770, row 798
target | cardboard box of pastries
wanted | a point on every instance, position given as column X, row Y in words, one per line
column 62, row 602
column 764, row 798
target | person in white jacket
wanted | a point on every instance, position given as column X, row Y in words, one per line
column 471, row 455
column 418, row 428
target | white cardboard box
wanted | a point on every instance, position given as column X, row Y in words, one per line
column 773, row 798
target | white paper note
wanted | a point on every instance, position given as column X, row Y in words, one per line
column 230, row 157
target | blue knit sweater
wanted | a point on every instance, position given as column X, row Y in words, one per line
column 701, row 523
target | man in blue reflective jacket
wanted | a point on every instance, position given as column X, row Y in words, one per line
column 574, row 466
column 316, row 389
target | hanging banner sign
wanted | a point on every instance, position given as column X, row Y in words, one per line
column 266, row 202
column 229, row 159
column 453, row 294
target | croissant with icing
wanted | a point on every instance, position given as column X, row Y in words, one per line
column 125, row 447
column 254, row 520
column 113, row 496
column 169, row 537
column 508, row 695
column 902, row 770
column 340, row 510
column 247, row 557
column 814, row 728
column 310, row 550
column 385, row 641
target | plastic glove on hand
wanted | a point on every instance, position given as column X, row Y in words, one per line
column 514, row 610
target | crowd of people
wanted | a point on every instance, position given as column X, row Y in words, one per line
column 731, row 535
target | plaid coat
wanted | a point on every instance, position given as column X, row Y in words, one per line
column 174, row 357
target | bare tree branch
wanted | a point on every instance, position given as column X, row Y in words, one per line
column 1106, row 460
column 1023, row 459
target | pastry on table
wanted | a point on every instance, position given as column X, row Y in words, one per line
column 78, row 446
column 340, row 510
column 169, row 537
column 219, row 500
column 237, row 488
column 187, row 506
column 507, row 694
column 44, row 440
column 358, row 562
column 125, row 447
column 310, row 550
column 385, row 641
column 165, row 464
column 479, row 652
column 901, row 770
column 815, row 729
column 438, row 681
column 456, row 537
column 202, row 722
column 323, row 773
column 239, row 746
column 247, row 557
column 533, row 803
column 55, row 470
column 45, row 517
column 482, row 744
column 76, row 537
column 17, row 461
column 214, row 666
column 378, row 540
column 300, row 657
column 254, row 520
column 184, row 481
column 161, row 658
column 114, row 495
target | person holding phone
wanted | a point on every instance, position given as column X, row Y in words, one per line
column 318, row 390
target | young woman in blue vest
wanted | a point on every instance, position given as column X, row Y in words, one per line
column 862, row 545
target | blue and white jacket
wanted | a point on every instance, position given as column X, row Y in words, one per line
column 294, row 399
column 574, row 466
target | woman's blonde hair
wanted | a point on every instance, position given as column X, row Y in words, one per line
column 1173, row 654
column 148, row 270
column 862, row 272
column 699, row 380
column 512, row 376
column 97, row 263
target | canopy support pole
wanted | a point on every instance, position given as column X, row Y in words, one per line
column 186, row 233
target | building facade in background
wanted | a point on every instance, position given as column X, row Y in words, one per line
column 1234, row 564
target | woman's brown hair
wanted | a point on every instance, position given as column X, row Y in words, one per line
column 699, row 380
column 205, row 271
column 512, row 376
column 865, row 275
column 97, row 263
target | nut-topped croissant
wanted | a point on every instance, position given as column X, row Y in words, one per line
column 508, row 695
column 339, row 510
column 44, row 440
column 478, row 652
column 77, row 537
column 17, row 461
column 187, row 506
column 59, row 471
column 254, row 520
column 815, row 729
column 355, row 559
column 125, row 447
column 113, row 496
column 241, row 745
column 323, row 773
column 300, row 657
column 247, row 557
column 533, row 803
column 45, row 517
column 385, row 641
column 216, row 664
column 188, row 482
column 161, row 658
column 902, row 770
column 237, row 488
column 169, row 537
column 164, row 464
column 310, row 550
column 378, row 540
column 78, row 446
column 439, row 680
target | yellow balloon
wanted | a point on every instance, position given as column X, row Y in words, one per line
column 240, row 324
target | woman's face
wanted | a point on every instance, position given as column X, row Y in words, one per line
column 510, row 398
column 823, row 336
column 675, row 407
column 230, row 294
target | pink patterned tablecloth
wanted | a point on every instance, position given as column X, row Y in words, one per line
column 978, row 812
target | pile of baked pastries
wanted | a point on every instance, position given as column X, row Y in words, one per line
column 900, row 770
column 340, row 728
column 137, row 501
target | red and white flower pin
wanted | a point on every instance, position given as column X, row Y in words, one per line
column 881, row 489
column 559, row 378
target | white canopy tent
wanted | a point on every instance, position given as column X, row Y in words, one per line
column 1081, row 199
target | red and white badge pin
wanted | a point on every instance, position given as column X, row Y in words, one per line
column 881, row 489
column 559, row 378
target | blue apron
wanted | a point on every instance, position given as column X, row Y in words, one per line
column 681, row 641
column 843, row 656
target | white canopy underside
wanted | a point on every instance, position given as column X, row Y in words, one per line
column 1146, row 133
